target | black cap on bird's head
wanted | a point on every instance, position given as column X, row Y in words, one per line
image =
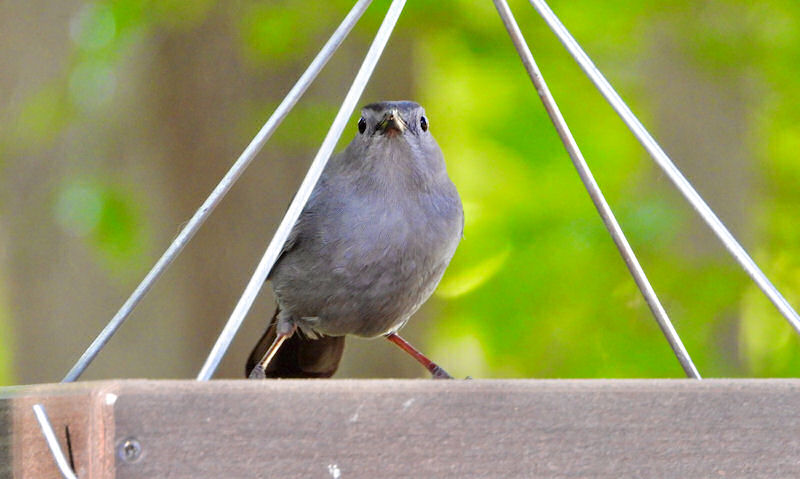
column 392, row 119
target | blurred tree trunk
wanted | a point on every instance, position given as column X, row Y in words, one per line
column 61, row 295
column 186, row 94
column 702, row 119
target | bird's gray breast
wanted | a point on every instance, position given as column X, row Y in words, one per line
column 365, row 260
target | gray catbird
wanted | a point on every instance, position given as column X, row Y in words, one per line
column 369, row 248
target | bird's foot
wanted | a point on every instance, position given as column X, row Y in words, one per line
column 438, row 373
column 257, row 373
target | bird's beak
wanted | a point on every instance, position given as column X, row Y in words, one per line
column 392, row 123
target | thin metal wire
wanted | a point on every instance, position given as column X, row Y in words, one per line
column 221, row 189
column 303, row 193
column 52, row 442
column 664, row 162
column 594, row 190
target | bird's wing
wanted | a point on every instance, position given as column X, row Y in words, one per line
column 296, row 233
column 291, row 241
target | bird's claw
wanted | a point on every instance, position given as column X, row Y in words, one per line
column 439, row 373
column 257, row 373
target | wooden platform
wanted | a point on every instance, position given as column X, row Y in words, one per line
column 401, row 428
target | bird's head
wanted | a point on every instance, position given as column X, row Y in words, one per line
column 394, row 139
column 393, row 120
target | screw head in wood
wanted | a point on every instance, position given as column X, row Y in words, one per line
column 129, row 450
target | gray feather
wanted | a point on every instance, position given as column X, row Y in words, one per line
column 376, row 235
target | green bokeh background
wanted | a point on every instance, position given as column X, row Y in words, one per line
column 536, row 288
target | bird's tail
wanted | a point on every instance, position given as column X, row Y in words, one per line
column 299, row 356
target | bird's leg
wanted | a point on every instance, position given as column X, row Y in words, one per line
column 283, row 331
column 435, row 369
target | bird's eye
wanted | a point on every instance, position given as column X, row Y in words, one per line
column 423, row 123
column 362, row 125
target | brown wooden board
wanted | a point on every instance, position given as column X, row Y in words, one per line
column 84, row 407
column 418, row 428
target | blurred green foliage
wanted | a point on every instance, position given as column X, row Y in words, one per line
column 537, row 288
column 106, row 216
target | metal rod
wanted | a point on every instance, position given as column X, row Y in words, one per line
column 594, row 190
column 221, row 189
column 664, row 162
column 52, row 442
column 303, row 193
